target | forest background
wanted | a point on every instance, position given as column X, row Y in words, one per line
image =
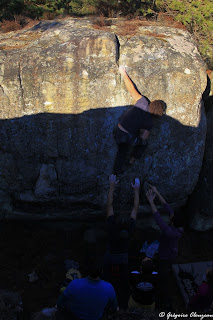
column 194, row 15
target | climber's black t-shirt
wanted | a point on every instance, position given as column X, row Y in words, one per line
column 137, row 117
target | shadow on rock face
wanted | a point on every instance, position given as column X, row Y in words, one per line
column 66, row 159
column 43, row 26
column 200, row 204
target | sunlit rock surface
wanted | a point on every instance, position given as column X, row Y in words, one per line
column 61, row 95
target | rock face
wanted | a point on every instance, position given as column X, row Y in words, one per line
column 61, row 96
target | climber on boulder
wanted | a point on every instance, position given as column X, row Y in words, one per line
column 133, row 129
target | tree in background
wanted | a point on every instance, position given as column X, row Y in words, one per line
column 197, row 16
column 131, row 8
column 8, row 8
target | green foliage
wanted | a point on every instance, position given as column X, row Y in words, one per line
column 10, row 7
column 197, row 16
column 137, row 7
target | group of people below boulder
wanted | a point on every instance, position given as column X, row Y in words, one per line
column 88, row 298
column 120, row 230
column 111, row 285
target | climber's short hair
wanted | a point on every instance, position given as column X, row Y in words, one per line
column 157, row 107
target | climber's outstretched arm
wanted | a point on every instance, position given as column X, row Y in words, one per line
column 154, row 189
column 112, row 184
column 136, row 188
column 151, row 196
column 129, row 84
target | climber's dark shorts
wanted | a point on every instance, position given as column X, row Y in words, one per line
column 128, row 146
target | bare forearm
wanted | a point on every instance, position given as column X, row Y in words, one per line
column 153, row 206
column 136, row 205
column 110, row 202
column 162, row 200
column 128, row 82
column 110, row 197
column 136, row 199
column 130, row 87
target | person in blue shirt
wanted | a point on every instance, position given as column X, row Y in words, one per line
column 87, row 298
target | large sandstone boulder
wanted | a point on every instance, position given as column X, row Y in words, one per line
column 61, row 96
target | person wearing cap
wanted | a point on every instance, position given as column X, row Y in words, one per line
column 169, row 238
column 120, row 228
column 134, row 126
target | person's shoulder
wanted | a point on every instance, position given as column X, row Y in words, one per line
column 72, row 286
column 155, row 277
column 204, row 288
column 135, row 275
column 107, row 284
column 142, row 99
column 77, row 282
column 142, row 103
